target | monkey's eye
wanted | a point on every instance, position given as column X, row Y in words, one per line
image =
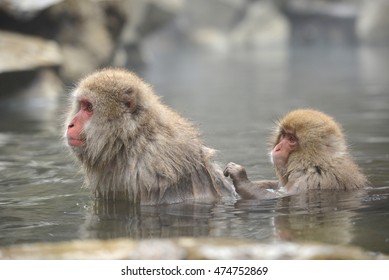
column 292, row 138
column 289, row 136
column 86, row 106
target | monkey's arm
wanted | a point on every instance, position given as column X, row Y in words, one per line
column 247, row 189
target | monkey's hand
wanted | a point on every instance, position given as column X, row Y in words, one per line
column 236, row 172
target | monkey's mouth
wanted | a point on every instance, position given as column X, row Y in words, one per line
column 75, row 142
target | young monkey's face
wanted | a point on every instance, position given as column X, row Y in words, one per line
column 286, row 144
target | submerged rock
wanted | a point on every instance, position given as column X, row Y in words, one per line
column 184, row 249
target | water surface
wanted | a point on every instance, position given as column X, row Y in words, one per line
column 234, row 98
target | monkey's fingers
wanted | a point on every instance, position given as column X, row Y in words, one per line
column 229, row 170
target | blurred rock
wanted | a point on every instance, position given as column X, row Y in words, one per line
column 183, row 248
column 216, row 14
column 146, row 17
column 91, row 34
column 222, row 24
column 373, row 23
column 83, row 35
column 20, row 52
column 210, row 38
column 83, row 31
column 72, row 38
column 33, row 95
column 262, row 26
column 208, row 23
column 29, row 70
column 321, row 22
column 26, row 9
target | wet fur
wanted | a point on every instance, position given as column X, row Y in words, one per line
column 320, row 162
column 140, row 150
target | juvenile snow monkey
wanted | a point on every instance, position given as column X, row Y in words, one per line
column 309, row 152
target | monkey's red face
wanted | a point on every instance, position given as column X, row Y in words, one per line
column 75, row 130
column 287, row 143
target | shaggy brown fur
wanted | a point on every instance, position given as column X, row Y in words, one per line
column 320, row 161
column 138, row 149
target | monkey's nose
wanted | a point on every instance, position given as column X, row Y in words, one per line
column 71, row 125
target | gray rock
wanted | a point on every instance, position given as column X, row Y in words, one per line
column 146, row 17
column 26, row 9
column 29, row 71
column 225, row 24
column 20, row 52
column 373, row 23
column 82, row 32
column 184, row 248
column 322, row 22
column 262, row 26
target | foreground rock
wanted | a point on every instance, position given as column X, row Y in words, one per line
column 183, row 249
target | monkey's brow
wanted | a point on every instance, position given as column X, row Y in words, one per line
column 281, row 128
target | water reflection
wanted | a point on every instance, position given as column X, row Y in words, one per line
column 317, row 216
column 234, row 99
column 184, row 219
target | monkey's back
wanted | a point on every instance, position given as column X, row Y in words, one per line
column 341, row 174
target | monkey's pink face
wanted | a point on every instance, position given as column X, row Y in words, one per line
column 75, row 129
column 287, row 143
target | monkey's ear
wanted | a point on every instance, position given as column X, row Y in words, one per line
column 131, row 103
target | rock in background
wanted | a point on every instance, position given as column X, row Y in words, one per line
column 71, row 38
column 45, row 44
column 322, row 22
column 373, row 23
column 229, row 24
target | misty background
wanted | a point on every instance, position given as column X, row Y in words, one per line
column 47, row 45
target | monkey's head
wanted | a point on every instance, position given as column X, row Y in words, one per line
column 307, row 136
column 106, row 112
